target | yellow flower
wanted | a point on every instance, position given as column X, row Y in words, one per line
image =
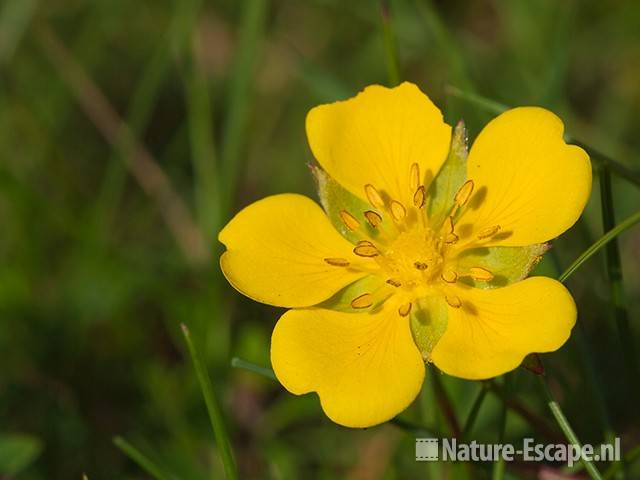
column 419, row 255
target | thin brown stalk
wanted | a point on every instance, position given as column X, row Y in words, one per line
column 139, row 161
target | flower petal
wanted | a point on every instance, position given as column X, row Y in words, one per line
column 375, row 138
column 276, row 249
column 365, row 367
column 527, row 179
column 495, row 329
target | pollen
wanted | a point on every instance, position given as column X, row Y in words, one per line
column 363, row 301
column 421, row 265
column 393, row 282
column 405, row 309
column 488, row 232
column 337, row 262
column 398, row 211
column 365, row 248
column 464, row 193
column 373, row 218
column 349, row 220
column 453, row 301
column 479, row 273
column 414, row 177
column 418, row 197
column 373, row 196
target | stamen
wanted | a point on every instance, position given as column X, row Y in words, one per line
column 363, row 301
column 349, row 220
column 453, row 301
column 414, row 176
column 450, row 237
column 405, row 309
column 397, row 210
column 449, row 276
column 337, row 262
column 373, row 218
column 418, row 197
column 373, row 196
column 365, row 248
column 479, row 273
column 394, row 282
column 488, row 232
column 421, row 265
column 464, row 193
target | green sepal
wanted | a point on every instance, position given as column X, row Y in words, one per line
column 373, row 284
column 507, row 264
column 334, row 198
column 428, row 323
column 533, row 363
column 449, row 179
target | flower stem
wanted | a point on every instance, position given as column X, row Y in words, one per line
column 598, row 244
column 215, row 412
column 566, row 427
column 391, row 54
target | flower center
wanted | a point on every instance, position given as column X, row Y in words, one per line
column 416, row 259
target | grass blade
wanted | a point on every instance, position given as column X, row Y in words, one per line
column 600, row 243
column 391, row 53
column 614, row 274
column 475, row 410
column 215, row 412
column 142, row 460
column 252, row 367
column 251, row 29
column 566, row 427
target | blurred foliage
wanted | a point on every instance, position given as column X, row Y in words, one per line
column 93, row 284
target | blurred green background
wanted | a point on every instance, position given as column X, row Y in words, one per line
column 130, row 132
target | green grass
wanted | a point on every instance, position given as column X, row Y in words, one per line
column 130, row 132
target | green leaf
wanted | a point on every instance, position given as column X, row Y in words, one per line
column 508, row 264
column 17, row 452
column 449, row 179
column 428, row 323
column 335, row 198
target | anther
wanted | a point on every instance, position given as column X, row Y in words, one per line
column 394, row 282
column 363, row 301
column 479, row 273
column 337, row 262
column 373, row 196
column 488, row 232
column 418, row 197
column 464, row 193
column 405, row 309
column 449, row 276
column 373, row 218
column 349, row 220
column 421, row 265
column 397, row 210
column 414, row 178
column 365, row 248
column 453, row 301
